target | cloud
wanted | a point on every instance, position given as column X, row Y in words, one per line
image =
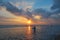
column 47, row 16
column 44, row 13
column 8, row 18
column 10, row 7
column 55, row 16
column 4, row 13
column 13, row 21
column 15, row 7
column 56, row 6
column 56, row 10
column 24, row 5
column 19, row 11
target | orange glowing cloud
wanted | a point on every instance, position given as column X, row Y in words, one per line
column 10, row 18
column 38, row 17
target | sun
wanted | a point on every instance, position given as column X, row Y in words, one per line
column 29, row 22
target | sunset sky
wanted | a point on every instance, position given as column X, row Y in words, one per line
column 17, row 12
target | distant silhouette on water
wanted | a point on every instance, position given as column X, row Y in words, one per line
column 34, row 29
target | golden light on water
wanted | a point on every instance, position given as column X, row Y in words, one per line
column 29, row 33
column 29, row 28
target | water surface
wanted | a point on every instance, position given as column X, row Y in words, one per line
column 28, row 33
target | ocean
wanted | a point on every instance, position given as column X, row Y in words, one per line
column 40, row 32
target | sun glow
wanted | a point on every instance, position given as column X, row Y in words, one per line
column 29, row 22
column 24, row 20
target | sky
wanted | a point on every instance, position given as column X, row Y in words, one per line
column 33, row 4
column 16, row 12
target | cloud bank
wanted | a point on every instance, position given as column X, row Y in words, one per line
column 18, row 11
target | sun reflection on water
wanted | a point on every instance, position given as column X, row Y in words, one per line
column 29, row 33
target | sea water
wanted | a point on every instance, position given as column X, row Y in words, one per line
column 46, row 32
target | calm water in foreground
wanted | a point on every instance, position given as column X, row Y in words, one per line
column 28, row 33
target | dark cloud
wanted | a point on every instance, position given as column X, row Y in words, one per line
column 56, row 9
column 56, row 6
column 42, row 12
column 10, row 7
